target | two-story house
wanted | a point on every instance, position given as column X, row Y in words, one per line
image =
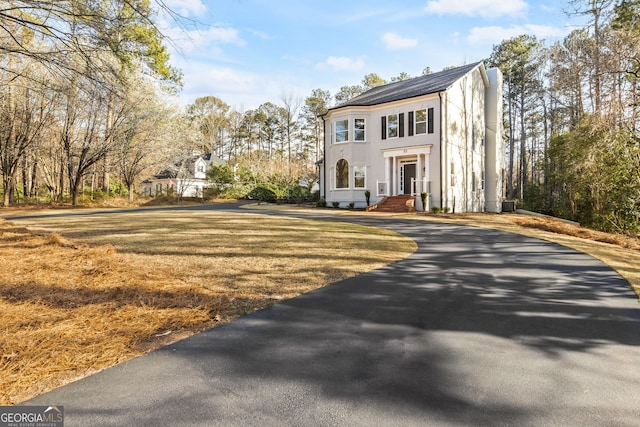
column 440, row 133
column 186, row 177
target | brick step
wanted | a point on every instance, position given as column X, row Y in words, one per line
column 394, row 204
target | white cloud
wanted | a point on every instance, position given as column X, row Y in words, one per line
column 187, row 7
column 496, row 34
column 483, row 8
column 223, row 82
column 188, row 41
column 548, row 8
column 393, row 41
column 342, row 63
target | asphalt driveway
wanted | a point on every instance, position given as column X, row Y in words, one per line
column 478, row 327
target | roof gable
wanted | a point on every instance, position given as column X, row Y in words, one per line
column 411, row 88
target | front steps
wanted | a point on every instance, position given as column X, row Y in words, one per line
column 394, row 204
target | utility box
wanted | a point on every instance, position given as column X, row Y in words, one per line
column 508, row 206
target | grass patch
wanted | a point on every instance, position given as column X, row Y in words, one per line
column 81, row 293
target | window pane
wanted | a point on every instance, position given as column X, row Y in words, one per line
column 342, row 174
column 358, row 133
column 421, row 121
column 392, row 126
column 359, row 172
column 342, row 130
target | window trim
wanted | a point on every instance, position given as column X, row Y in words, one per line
column 344, row 173
column 397, row 126
column 345, row 131
column 363, row 130
column 418, row 122
column 363, row 168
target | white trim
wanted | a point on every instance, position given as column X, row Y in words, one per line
column 407, row 151
column 364, row 129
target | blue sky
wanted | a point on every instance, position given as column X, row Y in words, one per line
column 247, row 52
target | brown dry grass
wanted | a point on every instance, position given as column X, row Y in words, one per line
column 620, row 252
column 82, row 293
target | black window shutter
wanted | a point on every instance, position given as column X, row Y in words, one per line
column 410, row 123
column 384, row 127
column 430, row 120
column 401, row 125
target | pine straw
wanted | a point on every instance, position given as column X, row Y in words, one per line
column 569, row 229
column 68, row 309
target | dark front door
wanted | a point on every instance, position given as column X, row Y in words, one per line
column 409, row 173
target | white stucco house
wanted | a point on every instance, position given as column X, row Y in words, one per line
column 440, row 133
column 186, row 177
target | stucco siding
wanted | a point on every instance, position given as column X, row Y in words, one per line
column 444, row 152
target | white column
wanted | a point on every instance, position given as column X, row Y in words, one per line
column 387, row 175
column 394, row 185
column 419, row 179
column 427, row 173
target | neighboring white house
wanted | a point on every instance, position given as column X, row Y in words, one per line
column 440, row 133
column 186, row 178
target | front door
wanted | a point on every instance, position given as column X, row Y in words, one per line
column 409, row 174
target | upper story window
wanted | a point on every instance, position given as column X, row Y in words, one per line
column 342, row 130
column 359, row 130
column 421, row 121
column 392, row 126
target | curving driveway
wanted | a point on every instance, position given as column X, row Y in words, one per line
column 478, row 327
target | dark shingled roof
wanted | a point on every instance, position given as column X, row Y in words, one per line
column 411, row 88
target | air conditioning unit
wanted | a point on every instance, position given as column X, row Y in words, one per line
column 508, row 206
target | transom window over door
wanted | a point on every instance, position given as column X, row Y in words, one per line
column 342, row 130
column 358, row 130
column 342, row 174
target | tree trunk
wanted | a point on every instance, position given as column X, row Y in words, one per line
column 7, row 186
column 511, row 143
column 523, row 148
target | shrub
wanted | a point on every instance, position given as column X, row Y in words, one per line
column 445, row 209
column 237, row 191
column 335, row 204
column 211, row 192
column 298, row 194
column 435, row 209
column 263, row 193
column 352, row 205
column 322, row 203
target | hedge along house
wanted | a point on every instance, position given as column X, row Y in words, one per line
column 440, row 133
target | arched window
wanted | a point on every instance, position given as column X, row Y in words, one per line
column 342, row 174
